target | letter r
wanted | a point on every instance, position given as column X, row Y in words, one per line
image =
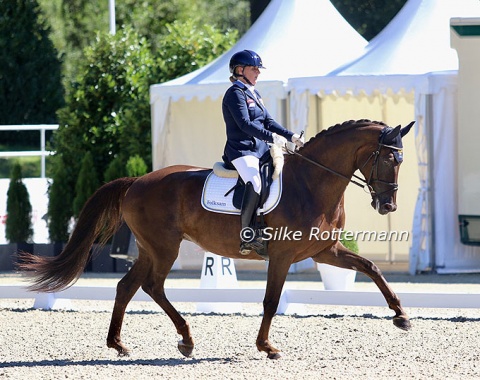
column 209, row 263
column 226, row 265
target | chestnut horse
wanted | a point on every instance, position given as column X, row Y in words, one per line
column 163, row 207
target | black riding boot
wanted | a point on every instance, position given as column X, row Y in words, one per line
column 248, row 216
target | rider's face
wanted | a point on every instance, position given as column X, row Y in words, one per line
column 251, row 73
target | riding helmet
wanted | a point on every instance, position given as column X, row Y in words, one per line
column 245, row 58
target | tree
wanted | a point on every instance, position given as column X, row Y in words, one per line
column 256, row 8
column 368, row 17
column 107, row 112
column 18, row 228
column 59, row 205
column 107, row 107
column 30, row 73
column 187, row 47
column 86, row 184
column 115, row 169
column 77, row 22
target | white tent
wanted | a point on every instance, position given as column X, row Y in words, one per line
column 409, row 68
column 293, row 37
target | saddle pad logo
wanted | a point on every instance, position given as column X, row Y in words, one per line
column 215, row 188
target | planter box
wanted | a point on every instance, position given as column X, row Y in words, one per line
column 8, row 257
column 102, row 262
column 335, row 278
column 8, row 254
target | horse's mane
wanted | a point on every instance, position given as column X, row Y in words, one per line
column 349, row 124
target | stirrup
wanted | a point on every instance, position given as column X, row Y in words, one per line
column 247, row 247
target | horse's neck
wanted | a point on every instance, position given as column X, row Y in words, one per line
column 317, row 184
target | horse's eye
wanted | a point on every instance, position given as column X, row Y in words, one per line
column 389, row 160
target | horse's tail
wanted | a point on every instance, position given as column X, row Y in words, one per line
column 99, row 219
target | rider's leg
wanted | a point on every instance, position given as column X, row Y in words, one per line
column 248, row 169
column 249, row 206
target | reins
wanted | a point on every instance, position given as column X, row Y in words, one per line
column 364, row 184
column 292, row 152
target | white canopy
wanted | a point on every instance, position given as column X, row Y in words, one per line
column 415, row 42
column 293, row 37
column 412, row 58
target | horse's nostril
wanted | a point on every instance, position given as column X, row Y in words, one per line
column 389, row 207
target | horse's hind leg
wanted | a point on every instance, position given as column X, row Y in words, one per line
column 126, row 289
column 154, row 287
column 344, row 258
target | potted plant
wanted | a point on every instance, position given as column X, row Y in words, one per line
column 335, row 278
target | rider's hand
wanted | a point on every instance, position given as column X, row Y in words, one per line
column 279, row 140
column 298, row 140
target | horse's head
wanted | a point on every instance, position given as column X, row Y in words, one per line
column 381, row 168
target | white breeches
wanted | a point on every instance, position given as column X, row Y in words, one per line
column 249, row 170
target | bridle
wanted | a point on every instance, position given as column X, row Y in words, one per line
column 365, row 184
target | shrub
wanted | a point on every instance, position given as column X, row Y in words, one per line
column 59, row 205
column 136, row 167
column 116, row 169
column 349, row 243
column 18, row 228
column 86, row 185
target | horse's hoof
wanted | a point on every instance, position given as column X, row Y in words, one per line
column 185, row 349
column 123, row 352
column 120, row 347
column 274, row 355
column 402, row 323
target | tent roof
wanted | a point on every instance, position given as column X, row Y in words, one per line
column 293, row 37
column 412, row 52
column 416, row 41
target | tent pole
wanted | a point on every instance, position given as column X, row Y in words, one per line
column 390, row 254
column 429, row 123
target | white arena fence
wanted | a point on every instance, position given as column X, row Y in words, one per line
column 42, row 152
column 289, row 298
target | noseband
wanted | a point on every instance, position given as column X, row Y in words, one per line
column 372, row 178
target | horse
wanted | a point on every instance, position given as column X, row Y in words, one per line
column 162, row 208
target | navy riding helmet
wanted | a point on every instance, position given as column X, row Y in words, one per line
column 245, row 58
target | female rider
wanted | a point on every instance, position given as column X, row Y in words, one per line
column 249, row 128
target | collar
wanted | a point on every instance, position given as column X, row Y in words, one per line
column 247, row 86
column 251, row 89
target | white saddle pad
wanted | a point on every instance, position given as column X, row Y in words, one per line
column 215, row 188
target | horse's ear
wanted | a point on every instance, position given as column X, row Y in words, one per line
column 405, row 130
column 391, row 134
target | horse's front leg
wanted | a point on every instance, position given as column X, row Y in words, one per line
column 277, row 274
column 342, row 257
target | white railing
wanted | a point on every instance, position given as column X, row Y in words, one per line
column 42, row 152
column 289, row 297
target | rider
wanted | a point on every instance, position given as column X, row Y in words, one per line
column 249, row 128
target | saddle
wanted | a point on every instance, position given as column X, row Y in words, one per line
column 266, row 175
column 226, row 177
column 223, row 181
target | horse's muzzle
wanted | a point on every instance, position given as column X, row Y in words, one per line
column 383, row 208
